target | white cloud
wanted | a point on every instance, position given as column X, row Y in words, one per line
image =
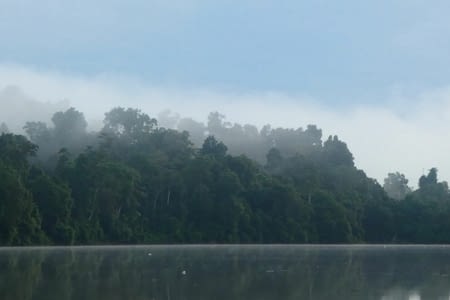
column 409, row 134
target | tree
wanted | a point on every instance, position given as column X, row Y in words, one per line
column 378, row 221
column 396, row 186
column 216, row 124
column 336, row 152
column 19, row 217
column 196, row 130
column 15, row 151
column 130, row 123
column 38, row 132
column 3, row 128
column 432, row 190
column 115, row 194
column 55, row 205
column 313, row 136
column 429, row 179
column 69, row 126
column 330, row 219
column 274, row 160
column 68, row 131
column 212, row 147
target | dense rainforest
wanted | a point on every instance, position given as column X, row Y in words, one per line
column 176, row 180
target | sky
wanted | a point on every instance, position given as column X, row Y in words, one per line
column 377, row 73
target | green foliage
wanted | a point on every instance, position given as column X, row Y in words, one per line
column 214, row 148
column 128, row 122
column 138, row 183
column 54, row 202
column 19, row 216
column 337, row 153
column 69, row 124
column 68, row 131
column 15, row 151
column 330, row 220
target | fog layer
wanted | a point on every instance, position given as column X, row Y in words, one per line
column 407, row 133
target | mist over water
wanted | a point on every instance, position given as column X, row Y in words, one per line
column 394, row 136
column 226, row 272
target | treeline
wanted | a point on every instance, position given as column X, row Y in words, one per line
column 134, row 182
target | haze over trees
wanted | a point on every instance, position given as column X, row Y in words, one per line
column 137, row 182
column 12, row 113
column 396, row 186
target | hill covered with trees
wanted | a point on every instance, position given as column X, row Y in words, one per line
column 136, row 182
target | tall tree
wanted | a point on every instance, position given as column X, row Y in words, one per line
column 336, row 152
column 130, row 123
column 396, row 186
column 19, row 217
column 53, row 199
column 213, row 147
column 15, row 151
column 69, row 124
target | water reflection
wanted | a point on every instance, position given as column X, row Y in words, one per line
column 224, row 272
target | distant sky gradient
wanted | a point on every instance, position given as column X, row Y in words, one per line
column 337, row 51
column 385, row 55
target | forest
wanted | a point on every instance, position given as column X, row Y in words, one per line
column 171, row 180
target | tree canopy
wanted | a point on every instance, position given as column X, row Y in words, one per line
column 134, row 182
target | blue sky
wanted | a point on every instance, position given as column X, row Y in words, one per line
column 377, row 73
column 337, row 51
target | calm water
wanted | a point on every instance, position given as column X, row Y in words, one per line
column 226, row 272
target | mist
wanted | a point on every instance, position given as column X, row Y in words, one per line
column 16, row 108
column 391, row 136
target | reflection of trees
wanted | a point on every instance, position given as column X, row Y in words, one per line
column 20, row 272
column 248, row 272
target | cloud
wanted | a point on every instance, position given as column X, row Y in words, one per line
column 403, row 133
